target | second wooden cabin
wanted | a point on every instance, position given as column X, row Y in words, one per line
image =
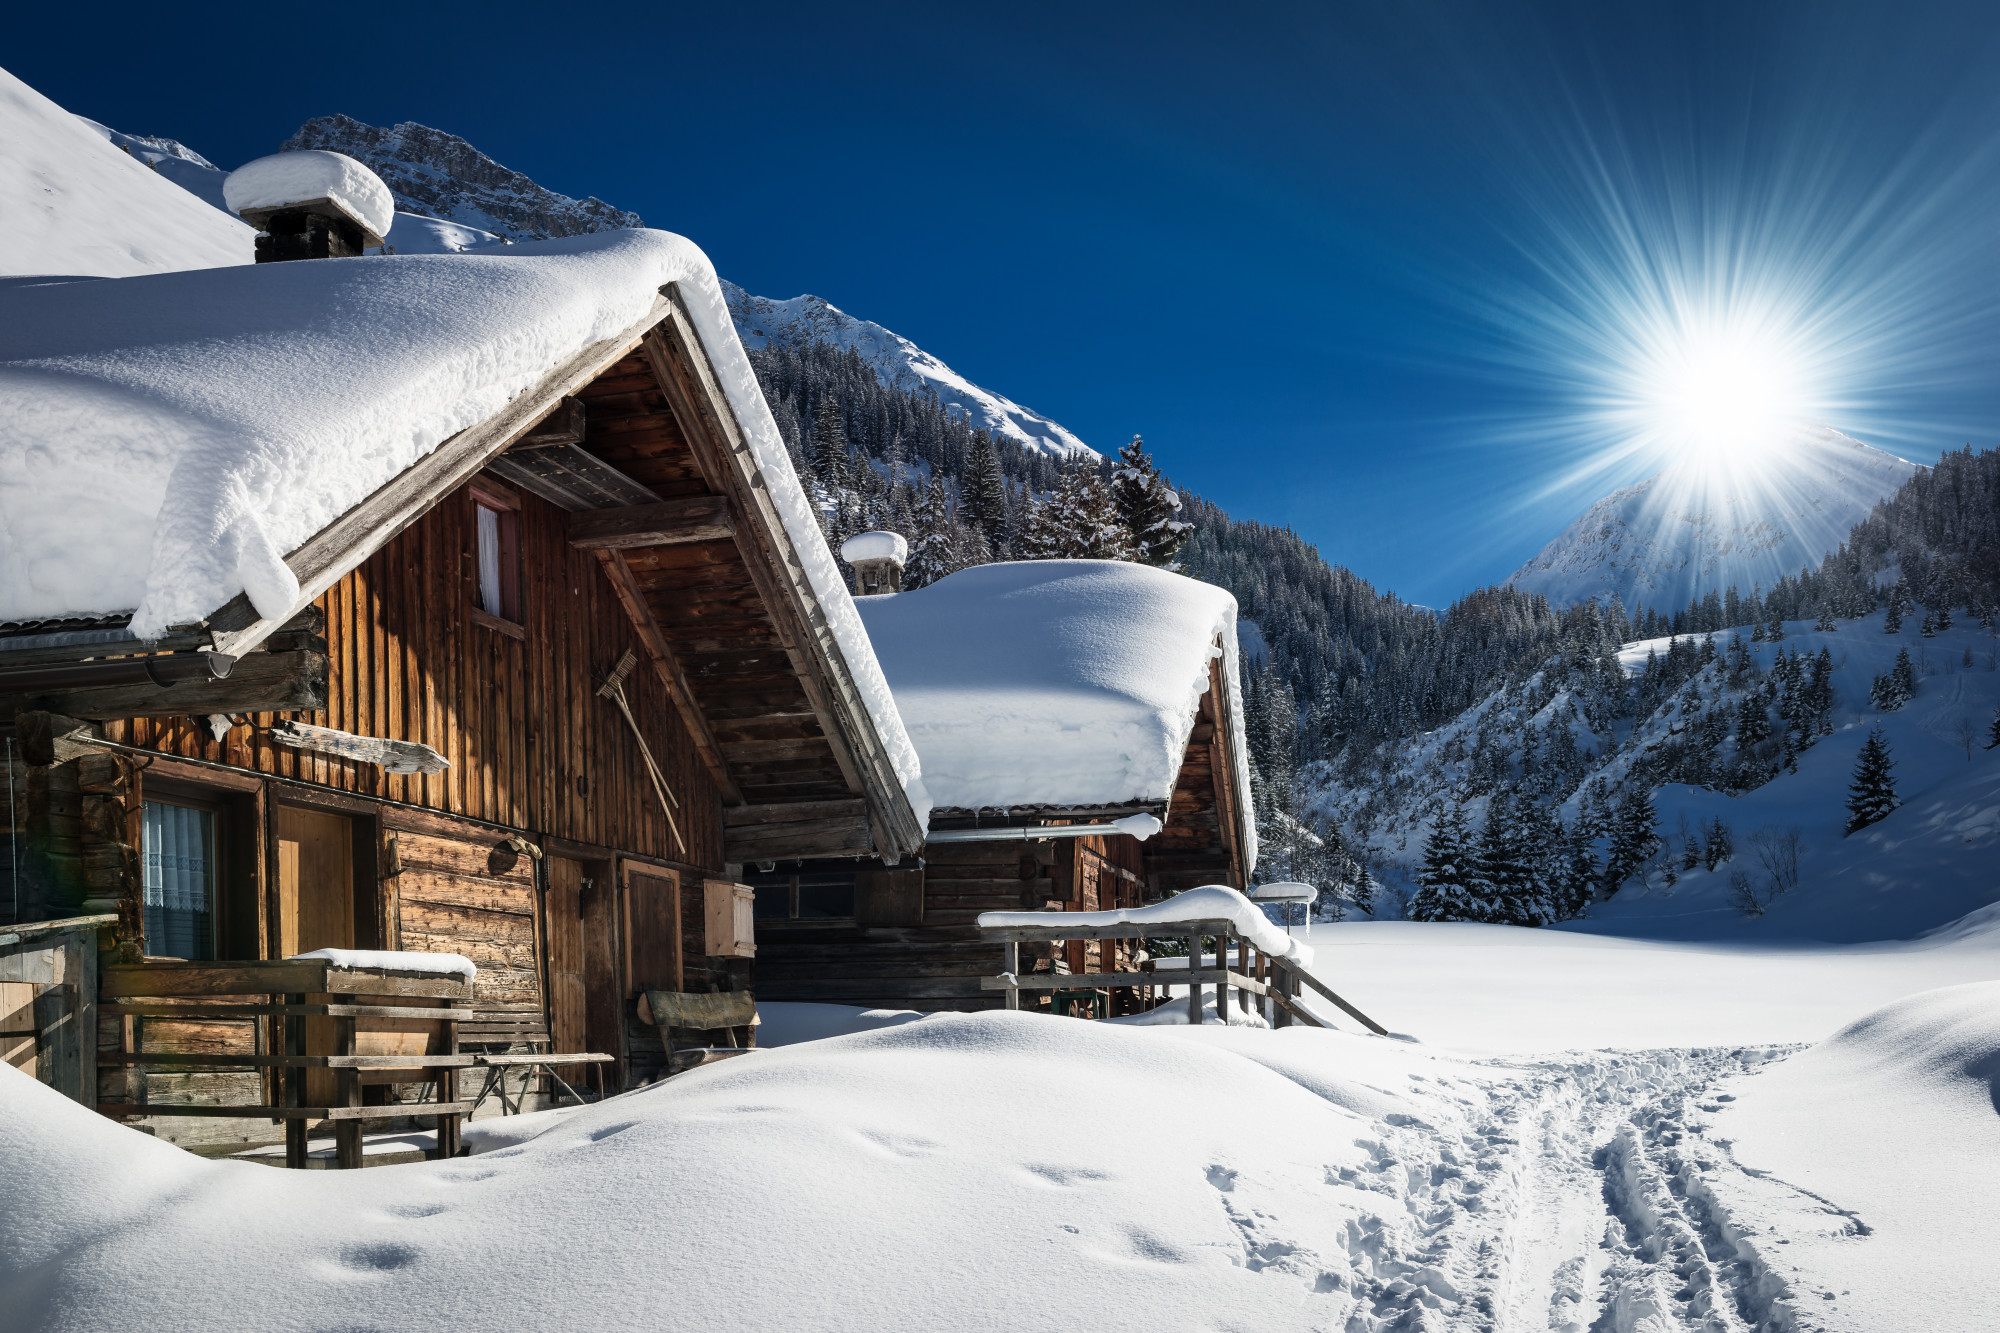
column 1080, row 727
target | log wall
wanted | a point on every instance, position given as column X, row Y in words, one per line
column 531, row 745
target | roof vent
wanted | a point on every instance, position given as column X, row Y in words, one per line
column 878, row 559
column 310, row 204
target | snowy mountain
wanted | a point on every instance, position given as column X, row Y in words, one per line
column 900, row 364
column 1694, row 527
column 441, row 175
column 75, row 200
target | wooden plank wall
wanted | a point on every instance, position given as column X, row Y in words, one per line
column 937, row 965
column 531, row 745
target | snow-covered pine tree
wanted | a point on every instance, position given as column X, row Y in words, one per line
column 1634, row 838
column 1943, row 616
column 1716, row 845
column 829, row 447
column 1148, row 506
column 1775, row 631
column 1826, row 623
column 1993, row 732
column 1872, row 793
column 1896, row 686
column 1930, row 625
column 1445, row 878
column 1899, row 602
column 1079, row 521
column 1503, row 883
column 934, row 539
column 983, row 495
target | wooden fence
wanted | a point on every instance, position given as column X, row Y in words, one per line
column 1271, row 983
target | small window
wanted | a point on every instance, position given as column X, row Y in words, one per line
column 497, row 524
column 179, row 889
column 809, row 896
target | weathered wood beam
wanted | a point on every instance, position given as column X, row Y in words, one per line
column 668, row 668
column 804, row 838
column 697, row 518
column 563, row 425
column 293, row 682
column 743, row 815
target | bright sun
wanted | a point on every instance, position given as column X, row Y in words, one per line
column 1726, row 400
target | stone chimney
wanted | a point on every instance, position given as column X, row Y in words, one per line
column 878, row 559
column 310, row 205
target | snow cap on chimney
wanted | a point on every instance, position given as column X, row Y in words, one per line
column 310, row 204
column 878, row 559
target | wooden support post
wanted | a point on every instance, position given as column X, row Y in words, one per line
column 347, row 1083
column 1012, row 966
column 447, row 1088
column 1194, row 989
column 295, row 1086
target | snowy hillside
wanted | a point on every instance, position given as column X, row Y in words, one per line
column 72, row 201
column 900, row 364
column 1550, row 739
column 1692, row 528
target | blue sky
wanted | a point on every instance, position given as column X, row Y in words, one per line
column 1370, row 270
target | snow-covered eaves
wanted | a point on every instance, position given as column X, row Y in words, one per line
column 1064, row 683
column 171, row 442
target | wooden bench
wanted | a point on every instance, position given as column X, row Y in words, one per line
column 692, row 1011
column 509, row 1037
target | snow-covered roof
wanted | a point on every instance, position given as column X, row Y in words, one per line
column 875, row 546
column 306, row 176
column 166, row 440
column 1055, row 682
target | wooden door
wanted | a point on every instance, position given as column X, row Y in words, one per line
column 315, row 911
column 603, row 1001
column 564, row 919
column 652, row 930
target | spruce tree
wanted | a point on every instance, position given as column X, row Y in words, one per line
column 829, row 452
column 1892, row 619
column 1079, row 521
column 1872, row 793
column 1445, row 878
column 935, row 542
column 1149, row 508
column 1825, row 624
column 1634, row 838
column 983, row 492
column 1896, row 686
column 1993, row 732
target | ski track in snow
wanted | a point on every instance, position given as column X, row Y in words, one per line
column 1580, row 1195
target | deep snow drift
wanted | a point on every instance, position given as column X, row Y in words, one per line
column 74, row 203
column 911, row 1177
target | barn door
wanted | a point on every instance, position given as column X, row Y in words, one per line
column 315, row 911
column 652, row 930
column 564, row 918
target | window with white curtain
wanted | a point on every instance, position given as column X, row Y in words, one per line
column 179, row 845
column 490, row 592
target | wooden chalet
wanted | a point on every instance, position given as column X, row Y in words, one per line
column 541, row 696
column 1009, row 829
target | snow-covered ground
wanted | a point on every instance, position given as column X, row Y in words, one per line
column 1593, row 1134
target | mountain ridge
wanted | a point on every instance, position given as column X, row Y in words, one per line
column 1693, row 528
